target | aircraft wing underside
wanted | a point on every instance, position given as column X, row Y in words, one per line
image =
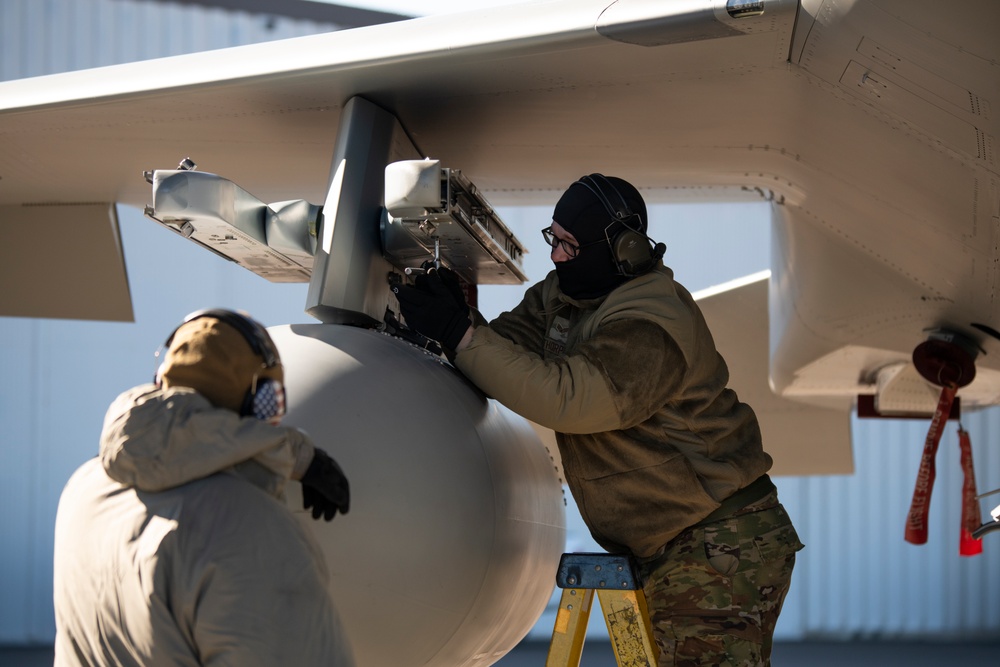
column 870, row 125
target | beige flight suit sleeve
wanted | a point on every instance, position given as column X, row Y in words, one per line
column 155, row 439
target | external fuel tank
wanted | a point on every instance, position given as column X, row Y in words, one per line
column 449, row 552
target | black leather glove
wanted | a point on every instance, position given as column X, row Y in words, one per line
column 325, row 488
column 435, row 307
column 450, row 280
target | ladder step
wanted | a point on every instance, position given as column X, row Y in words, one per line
column 597, row 571
column 614, row 578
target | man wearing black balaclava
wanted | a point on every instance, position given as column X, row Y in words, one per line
column 584, row 217
column 664, row 461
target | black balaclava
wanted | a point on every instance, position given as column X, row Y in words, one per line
column 593, row 272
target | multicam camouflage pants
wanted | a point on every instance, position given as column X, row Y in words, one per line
column 715, row 594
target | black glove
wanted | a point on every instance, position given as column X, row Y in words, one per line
column 325, row 488
column 435, row 307
column 450, row 280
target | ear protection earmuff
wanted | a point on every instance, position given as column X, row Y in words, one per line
column 265, row 398
column 633, row 252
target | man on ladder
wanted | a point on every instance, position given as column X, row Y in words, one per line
column 665, row 463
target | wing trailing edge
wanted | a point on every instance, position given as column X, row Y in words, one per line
column 63, row 261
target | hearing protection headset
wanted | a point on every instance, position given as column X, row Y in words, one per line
column 633, row 252
column 265, row 398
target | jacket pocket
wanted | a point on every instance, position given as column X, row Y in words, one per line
column 643, row 508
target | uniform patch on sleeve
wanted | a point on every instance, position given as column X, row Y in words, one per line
column 555, row 342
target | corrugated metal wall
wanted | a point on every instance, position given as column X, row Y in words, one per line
column 856, row 578
column 48, row 36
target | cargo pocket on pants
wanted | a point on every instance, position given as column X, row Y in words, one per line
column 713, row 640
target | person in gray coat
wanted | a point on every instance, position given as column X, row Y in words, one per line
column 175, row 545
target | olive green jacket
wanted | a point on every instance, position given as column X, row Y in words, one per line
column 651, row 438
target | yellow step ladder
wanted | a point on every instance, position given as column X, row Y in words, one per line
column 614, row 578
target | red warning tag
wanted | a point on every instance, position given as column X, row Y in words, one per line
column 916, row 520
column 971, row 517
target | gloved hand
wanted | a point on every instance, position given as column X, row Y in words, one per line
column 450, row 280
column 435, row 307
column 325, row 488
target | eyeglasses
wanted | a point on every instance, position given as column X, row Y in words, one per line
column 569, row 248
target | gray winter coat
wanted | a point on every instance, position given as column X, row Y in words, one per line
column 175, row 546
